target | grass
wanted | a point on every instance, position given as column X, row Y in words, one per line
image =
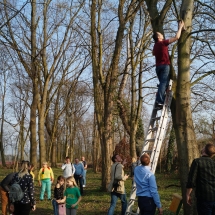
column 97, row 202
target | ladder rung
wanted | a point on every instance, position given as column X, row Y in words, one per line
column 153, row 129
column 147, row 151
column 150, row 140
column 156, row 118
column 158, row 108
column 157, row 125
column 132, row 200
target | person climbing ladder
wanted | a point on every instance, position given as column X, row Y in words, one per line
column 160, row 51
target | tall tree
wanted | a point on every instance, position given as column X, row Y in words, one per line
column 105, row 80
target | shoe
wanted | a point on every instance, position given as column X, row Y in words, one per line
column 159, row 105
column 84, row 185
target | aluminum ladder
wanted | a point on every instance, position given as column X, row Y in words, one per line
column 153, row 141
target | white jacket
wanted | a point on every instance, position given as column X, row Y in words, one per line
column 68, row 170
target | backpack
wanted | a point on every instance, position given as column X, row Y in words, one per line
column 15, row 192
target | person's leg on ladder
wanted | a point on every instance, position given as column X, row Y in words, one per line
column 163, row 76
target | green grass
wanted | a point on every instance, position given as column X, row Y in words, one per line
column 97, row 202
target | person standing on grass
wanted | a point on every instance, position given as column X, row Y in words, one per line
column 58, row 193
column 45, row 178
column 160, row 51
column 25, row 180
column 4, row 190
column 79, row 172
column 68, row 168
column 117, row 174
column 202, row 177
column 72, row 196
column 84, row 162
column 148, row 197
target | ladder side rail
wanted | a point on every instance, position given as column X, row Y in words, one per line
column 145, row 147
column 149, row 133
column 161, row 133
column 131, row 199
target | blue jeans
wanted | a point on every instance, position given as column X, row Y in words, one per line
column 114, row 197
column 163, row 77
column 205, row 207
column 84, row 177
column 46, row 186
column 55, row 206
column 146, row 205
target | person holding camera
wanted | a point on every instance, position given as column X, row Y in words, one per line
column 79, row 172
column 116, row 186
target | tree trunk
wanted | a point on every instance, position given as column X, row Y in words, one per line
column 183, row 123
column 2, row 124
column 170, row 151
column 42, row 145
column 34, row 78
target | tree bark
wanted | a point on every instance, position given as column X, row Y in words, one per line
column 34, row 78
column 183, row 123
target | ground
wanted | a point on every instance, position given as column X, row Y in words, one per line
column 96, row 202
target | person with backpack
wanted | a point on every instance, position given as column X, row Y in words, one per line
column 21, row 193
column 68, row 168
column 116, row 186
column 45, row 178
column 4, row 192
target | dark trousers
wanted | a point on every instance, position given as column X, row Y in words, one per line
column 205, row 207
column 79, row 180
column 22, row 209
column 146, row 205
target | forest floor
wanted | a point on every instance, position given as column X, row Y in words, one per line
column 97, row 202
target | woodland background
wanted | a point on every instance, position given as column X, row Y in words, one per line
column 78, row 77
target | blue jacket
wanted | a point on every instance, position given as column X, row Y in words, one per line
column 79, row 169
column 146, row 184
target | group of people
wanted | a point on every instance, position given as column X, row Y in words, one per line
column 148, row 197
column 66, row 195
column 78, row 170
column 201, row 177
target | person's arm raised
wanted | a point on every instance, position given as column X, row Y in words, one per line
column 178, row 34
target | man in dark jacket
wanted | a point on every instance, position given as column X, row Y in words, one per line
column 202, row 178
column 4, row 190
